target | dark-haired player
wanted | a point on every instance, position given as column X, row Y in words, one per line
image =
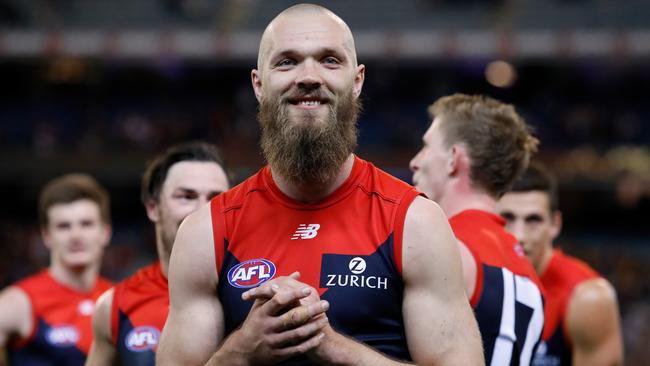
column 582, row 318
column 130, row 317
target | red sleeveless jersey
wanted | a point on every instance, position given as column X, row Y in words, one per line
column 560, row 278
column 61, row 322
column 348, row 246
column 138, row 314
column 507, row 299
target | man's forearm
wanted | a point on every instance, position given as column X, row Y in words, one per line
column 228, row 355
column 340, row 350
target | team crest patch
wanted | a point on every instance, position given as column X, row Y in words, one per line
column 62, row 336
column 142, row 339
column 251, row 273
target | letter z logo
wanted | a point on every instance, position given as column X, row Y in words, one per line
column 305, row 231
column 357, row 265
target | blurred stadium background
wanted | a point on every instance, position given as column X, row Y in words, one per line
column 102, row 85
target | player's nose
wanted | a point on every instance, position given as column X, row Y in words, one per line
column 517, row 229
column 309, row 76
column 413, row 164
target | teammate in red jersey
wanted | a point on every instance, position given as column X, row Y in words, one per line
column 358, row 235
column 45, row 319
column 582, row 317
column 130, row 317
column 472, row 153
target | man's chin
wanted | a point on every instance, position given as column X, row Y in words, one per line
column 79, row 260
column 308, row 117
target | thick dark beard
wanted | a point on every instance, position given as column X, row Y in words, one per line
column 308, row 152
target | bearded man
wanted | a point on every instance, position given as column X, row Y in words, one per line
column 320, row 257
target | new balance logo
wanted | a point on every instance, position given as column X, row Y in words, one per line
column 305, row 231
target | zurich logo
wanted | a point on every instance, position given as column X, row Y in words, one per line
column 62, row 336
column 251, row 273
column 357, row 265
column 142, row 339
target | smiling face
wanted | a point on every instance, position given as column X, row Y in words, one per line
column 75, row 233
column 308, row 85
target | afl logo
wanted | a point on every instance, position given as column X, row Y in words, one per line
column 251, row 273
column 142, row 339
column 62, row 336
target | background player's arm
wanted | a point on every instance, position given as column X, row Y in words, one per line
column 194, row 326
column 15, row 317
column 102, row 352
column 594, row 326
column 15, row 314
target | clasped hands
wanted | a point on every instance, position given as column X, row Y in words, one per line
column 287, row 319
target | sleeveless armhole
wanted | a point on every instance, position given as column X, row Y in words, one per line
column 22, row 342
column 398, row 229
column 218, row 230
column 115, row 311
column 565, row 329
column 478, row 286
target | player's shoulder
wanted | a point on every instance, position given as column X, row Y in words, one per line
column 102, row 313
column 573, row 267
column 564, row 273
column 103, row 284
column 593, row 292
column 142, row 276
column 38, row 280
column 374, row 180
column 235, row 196
column 14, row 296
column 15, row 312
column 424, row 217
column 483, row 232
column 423, row 209
column 104, row 302
column 591, row 308
column 193, row 254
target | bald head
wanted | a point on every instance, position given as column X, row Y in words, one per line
column 301, row 20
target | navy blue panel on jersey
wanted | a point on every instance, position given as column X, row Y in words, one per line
column 235, row 309
column 523, row 314
column 505, row 317
column 133, row 352
column 365, row 293
column 48, row 348
column 489, row 308
column 555, row 351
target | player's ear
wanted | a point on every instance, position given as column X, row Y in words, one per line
column 256, row 80
column 456, row 160
column 152, row 210
column 359, row 78
column 47, row 238
column 556, row 221
column 107, row 233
